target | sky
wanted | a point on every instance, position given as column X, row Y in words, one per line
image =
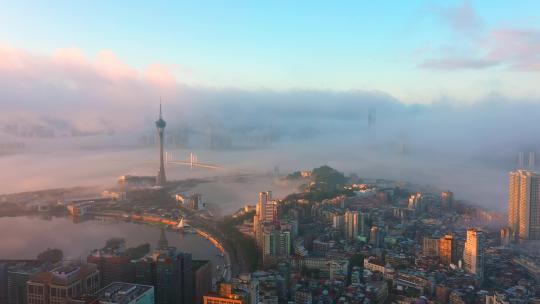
column 416, row 51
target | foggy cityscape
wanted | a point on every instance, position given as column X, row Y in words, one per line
column 269, row 152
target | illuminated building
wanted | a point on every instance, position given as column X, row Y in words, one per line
column 226, row 296
column 473, row 254
column 447, row 249
column 524, row 204
column 266, row 208
column 447, row 200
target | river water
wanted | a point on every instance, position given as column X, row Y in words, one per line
column 23, row 237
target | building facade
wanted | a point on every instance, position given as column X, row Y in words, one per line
column 447, row 249
column 126, row 293
column 202, row 279
column 171, row 274
column 351, row 225
column 430, row 246
column 473, row 254
column 61, row 283
column 524, row 204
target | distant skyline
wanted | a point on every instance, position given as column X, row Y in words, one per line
column 416, row 51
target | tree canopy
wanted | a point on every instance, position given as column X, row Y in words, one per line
column 328, row 177
column 51, row 255
column 114, row 243
column 138, row 251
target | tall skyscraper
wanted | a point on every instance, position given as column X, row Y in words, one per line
column 376, row 236
column 524, row 204
column 363, row 228
column 161, row 179
column 266, row 208
column 265, row 212
column 430, row 246
column 202, row 279
column 351, row 225
column 169, row 271
column 171, row 274
column 447, row 200
column 473, row 254
column 447, row 249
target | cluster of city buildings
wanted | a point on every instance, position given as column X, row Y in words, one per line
column 367, row 242
column 273, row 234
column 109, row 276
column 391, row 243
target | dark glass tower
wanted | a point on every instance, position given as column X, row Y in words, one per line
column 161, row 179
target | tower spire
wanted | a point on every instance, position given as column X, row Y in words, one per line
column 160, row 125
column 160, row 116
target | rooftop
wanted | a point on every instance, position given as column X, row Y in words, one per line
column 122, row 293
column 64, row 275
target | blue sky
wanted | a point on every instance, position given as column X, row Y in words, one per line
column 417, row 51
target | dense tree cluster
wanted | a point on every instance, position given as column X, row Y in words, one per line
column 51, row 255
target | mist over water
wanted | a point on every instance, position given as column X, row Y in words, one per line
column 93, row 121
column 475, row 169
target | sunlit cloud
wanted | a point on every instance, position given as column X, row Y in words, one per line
column 480, row 48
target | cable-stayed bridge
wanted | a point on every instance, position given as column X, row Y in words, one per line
column 171, row 158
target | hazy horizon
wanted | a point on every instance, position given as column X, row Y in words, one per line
column 450, row 90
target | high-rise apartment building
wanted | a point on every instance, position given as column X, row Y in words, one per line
column 338, row 221
column 202, row 279
column 363, row 228
column 447, row 249
column 524, row 204
column 265, row 216
column 430, row 246
column 275, row 242
column 351, row 225
column 473, row 254
column 376, row 236
column 447, row 200
column 266, row 210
